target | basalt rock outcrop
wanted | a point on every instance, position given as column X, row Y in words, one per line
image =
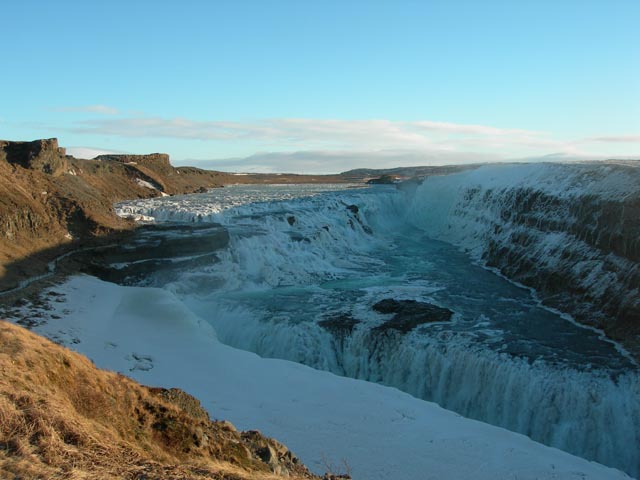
column 41, row 155
column 409, row 314
column 340, row 325
column 155, row 254
column 156, row 160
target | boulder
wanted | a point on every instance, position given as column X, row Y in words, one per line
column 383, row 180
column 409, row 314
column 340, row 325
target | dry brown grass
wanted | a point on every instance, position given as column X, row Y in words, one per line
column 62, row 418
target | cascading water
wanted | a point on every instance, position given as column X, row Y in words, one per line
column 300, row 277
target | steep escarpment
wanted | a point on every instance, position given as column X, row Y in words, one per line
column 571, row 231
column 155, row 171
column 61, row 417
column 585, row 263
column 50, row 201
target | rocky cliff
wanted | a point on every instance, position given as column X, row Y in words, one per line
column 570, row 231
column 41, row 155
column 593, row 268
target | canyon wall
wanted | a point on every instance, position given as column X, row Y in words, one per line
column 570, row 231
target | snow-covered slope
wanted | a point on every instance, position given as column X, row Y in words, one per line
column 379, row 431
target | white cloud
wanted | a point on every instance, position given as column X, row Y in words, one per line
column 89, row 152
column 330, row 145
column 615, row 139
column 319, row 133
column 101, row 109
column 458, row 128
column 322, row 162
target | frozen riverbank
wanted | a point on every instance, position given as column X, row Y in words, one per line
column 381, row 432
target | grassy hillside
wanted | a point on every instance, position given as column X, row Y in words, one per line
column 61, row 417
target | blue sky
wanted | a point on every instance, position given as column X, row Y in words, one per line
column 325, row 86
